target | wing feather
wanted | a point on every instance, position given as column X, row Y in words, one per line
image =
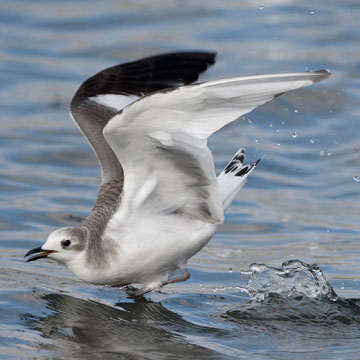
column 164, row 136
column 102, row 95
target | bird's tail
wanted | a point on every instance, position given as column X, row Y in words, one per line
column 234, row 177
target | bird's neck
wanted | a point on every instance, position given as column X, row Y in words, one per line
column 107, row 202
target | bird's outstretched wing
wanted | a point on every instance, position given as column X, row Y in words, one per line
column 100, row 97
column 161, row 141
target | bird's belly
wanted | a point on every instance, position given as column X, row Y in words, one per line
column 149, row 255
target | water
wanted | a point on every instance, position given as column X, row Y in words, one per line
column 293, row 280
column 296, row 205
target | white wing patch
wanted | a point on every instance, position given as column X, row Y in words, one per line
column 117, row 102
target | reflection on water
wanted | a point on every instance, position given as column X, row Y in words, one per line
column 142, row 328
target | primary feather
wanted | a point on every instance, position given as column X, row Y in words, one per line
column 234, row 177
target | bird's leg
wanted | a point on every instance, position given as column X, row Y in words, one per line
column 141, row 292
column 119, row 286
column 183, row 277
column 146, row 290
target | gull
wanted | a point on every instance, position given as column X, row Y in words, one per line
column 159, row 201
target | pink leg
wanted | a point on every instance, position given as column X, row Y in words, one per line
column 146, row 290
column 183, row 277
column 123, row 285
column 141, row 292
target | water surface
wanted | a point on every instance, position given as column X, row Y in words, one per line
column 302, row 202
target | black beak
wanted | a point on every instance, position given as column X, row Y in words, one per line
column 43, row 253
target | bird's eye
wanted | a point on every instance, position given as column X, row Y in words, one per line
column 65, row 243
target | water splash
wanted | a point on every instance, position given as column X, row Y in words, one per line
column 294, row 279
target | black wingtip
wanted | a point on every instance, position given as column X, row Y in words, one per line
column 257, row 161
column 247, row 168
column 144, row 76
column 321, row 74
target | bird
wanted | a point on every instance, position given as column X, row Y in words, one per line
column 159, row 201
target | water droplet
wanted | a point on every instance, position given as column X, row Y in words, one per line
column 296, row 111
column 294, row 278
column 249, row 121
column 327, row 230
column 312, row 141
column 261, row 7
column 255, row 267
column 356, row 178
column 278, row 144
column 256, row 141
column 312, row 12
column 283, row 122
column 270, row 125
column 322, row 153
column 294, row 134
column 329, row 153
column 277, row 130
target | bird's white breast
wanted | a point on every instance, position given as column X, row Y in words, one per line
column 149, row 249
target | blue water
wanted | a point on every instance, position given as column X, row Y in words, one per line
column 302, row 202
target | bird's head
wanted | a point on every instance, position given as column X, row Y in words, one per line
column 62, row 245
